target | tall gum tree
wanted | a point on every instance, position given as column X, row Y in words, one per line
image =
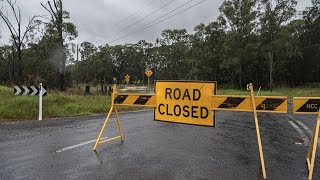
column 18, row 37
column 275, row 15
column 64, row 30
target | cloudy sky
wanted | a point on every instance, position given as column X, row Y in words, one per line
column 113, row 21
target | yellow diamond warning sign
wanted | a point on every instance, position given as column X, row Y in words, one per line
column 148, row 72
column 185, row 102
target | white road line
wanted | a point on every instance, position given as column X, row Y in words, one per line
column 303, row 126
column 78, row 145
column 303, row 136
column 307, row 129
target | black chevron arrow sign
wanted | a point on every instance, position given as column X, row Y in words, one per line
column 28, row 90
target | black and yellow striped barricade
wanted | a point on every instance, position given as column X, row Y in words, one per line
column 271, row 104
column 128, row 99
column 194, row 102
column 309, row 105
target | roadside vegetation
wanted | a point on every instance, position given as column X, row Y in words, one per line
column 73, row 102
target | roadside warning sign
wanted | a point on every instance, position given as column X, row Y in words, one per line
column 306, row 105
column 148, row 72
column 127, row 78
column 185, row 102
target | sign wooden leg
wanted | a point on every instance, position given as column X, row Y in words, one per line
column 103, row 128
column 313, row 147
column 258, row 133
column 118, row 121
column 106, row 121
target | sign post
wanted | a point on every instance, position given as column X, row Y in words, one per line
column 40, row 103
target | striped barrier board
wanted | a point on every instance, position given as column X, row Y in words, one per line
column 306, row 105
column 127, row 99
column 274, row 104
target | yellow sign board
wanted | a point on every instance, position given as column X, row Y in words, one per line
column 306, row 105
column 185, row 102
column 273, row 104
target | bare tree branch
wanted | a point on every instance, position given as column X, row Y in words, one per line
column 11, row 28
column 9, row 24
column 55, row 15
column 55, row 5
column 29, row 27
column 14, row 10
column 52, row 16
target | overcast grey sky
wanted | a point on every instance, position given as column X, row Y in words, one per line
column 97, row 20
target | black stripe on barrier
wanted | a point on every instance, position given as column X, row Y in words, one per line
column 120, row 99
column 312, row 105
column 231, row 102
column 142, row 100
column 270, row 104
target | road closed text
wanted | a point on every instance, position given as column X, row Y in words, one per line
column 185, row 102
column 186, row 110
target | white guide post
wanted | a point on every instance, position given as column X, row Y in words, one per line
column 40, row 102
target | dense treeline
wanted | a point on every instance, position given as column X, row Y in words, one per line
column 251, row 41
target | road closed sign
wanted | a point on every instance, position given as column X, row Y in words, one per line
column 186, row 102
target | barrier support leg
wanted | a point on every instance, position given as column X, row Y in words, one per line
column 103, row 128
column 258, row 132
column 310, row 148
column 313, row 148
column 118, row 121
column 106, row 121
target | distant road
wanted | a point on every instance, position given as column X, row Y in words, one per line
column 62, row 148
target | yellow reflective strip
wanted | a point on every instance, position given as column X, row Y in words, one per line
column 131, row 99
column 283, row 107
column 246, row 104
column 259, row 100
column 216, row 101
column 152, row 101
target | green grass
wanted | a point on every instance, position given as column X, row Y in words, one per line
column 74, row 103
column 55, row 104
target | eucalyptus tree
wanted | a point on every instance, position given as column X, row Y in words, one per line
column 239, row 20
column 274, row 16
column 17, row 37
column 63, row 31
column 310, row 66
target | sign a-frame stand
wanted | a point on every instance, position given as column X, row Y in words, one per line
column 113, row 107
column 309, row 105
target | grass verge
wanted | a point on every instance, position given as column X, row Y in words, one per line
column 56, row 104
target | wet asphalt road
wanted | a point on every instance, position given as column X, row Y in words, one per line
column 157, row 150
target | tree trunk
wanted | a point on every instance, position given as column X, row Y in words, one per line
column 62, row 52
column 271, row 69
column 19, row 67
column 240, row 78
